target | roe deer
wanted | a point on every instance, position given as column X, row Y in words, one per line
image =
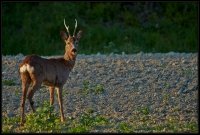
column 52, row 72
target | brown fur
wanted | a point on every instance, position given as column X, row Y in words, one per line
column 52, row 72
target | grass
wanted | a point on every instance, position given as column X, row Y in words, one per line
column 92, row 88
column 45, row 120
column 137, row 26
column 124, row 127
column 8, row 82
column 144, row 110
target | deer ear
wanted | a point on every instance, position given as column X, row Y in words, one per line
column 63, row 35
column 79, row 34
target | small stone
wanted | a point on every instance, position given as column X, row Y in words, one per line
column 131, row 83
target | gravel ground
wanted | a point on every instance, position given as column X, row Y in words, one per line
column 165, row 83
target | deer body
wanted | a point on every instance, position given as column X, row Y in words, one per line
column 54, row 72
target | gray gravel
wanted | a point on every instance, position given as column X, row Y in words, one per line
column 162, row 82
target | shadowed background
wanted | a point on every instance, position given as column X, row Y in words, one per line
column 108, row 27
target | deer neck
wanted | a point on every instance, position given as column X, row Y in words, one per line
column 70, row 61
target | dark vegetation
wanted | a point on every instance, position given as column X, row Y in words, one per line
column 108, row 27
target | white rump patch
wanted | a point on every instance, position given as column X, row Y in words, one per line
column 27, row 67
column 23, row 68
column 30, row 68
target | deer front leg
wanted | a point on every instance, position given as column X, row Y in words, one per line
column 59, row 92
column 51, row 91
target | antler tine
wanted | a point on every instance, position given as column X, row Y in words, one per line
column 66, row 27
column 75, row 28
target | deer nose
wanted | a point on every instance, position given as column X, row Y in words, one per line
column 74, row 50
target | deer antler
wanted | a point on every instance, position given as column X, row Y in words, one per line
column 55, row 74
column 75, row 28
column 66, row 27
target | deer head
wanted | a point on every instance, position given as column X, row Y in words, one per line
column 71, row 42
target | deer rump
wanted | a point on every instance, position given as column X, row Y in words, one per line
column 50, row 72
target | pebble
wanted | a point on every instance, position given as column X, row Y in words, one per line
column 130, row 83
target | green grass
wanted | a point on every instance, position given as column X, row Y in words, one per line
column 167, row 26
column 88, row 88
column 144, row 110
column 45, row 120
column 125, row 128
column 8, row 82
column 144, row 122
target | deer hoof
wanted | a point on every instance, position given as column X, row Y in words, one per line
column 22, row 124
column 62, row 119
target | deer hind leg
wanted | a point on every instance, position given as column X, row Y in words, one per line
column 60, row 101
column 25, row 84
column 51, row 91
column 35, row 85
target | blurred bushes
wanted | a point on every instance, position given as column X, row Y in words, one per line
column 130, row 27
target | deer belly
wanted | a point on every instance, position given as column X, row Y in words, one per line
column 55, row 81
column 48, row 83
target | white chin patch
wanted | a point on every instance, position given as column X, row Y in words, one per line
column 27, row 67
column 74, row 53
